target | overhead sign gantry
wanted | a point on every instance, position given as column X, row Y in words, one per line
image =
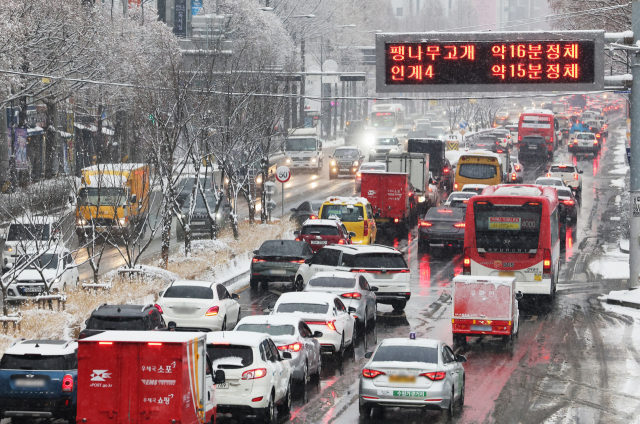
column 490, row 61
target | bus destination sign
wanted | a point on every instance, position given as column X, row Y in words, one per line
column 472, row 62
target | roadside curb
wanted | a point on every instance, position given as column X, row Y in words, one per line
column 623, row 303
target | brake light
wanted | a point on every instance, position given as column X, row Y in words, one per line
column 546, row 264
column 430, row 190
column 513, row 177
column 351, row 295
column 341, row 241
column 568, row 202
column 434, row 376
column 459, row 225
column 367, row 373
column 154, row 344
column 254, row 374
column 597, row 135
column 575, row 141
column 446, row 170
column 425, row 224
column 365, row 232
column 105, row 343
column 575, row 176
column 595, row 142
column 331, row 325
column 396, row 220
column 516, row 167
column 254, row 260
column 548, row 174
column 295, row 347
column 298, row 239
column 466, row 262
column 313, row 217
column 300, row 261
column 359, row 175
column 213, row 311
column 455, row 186
column 519, row 138
column 67, row 383
column 159, row 308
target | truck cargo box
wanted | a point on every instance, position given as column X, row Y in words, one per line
column 149, row 377
column 389, row 196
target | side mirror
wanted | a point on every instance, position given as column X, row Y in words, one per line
column 172, row 325
column 580, row 172
column 307, row 261
column 376, row 215
column 519, row 295
column 255, row 252
column 368, row 355
column 317, row 334
column 352, row 234
column 219, row 377
column 161, row 293
column 460, row 358
column 294, row 210
column 296, row 233
column 286, row 355
column 352, row 310
column 235, row 296
column 373, row 288
column 133, row 198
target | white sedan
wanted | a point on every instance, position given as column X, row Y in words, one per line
column 322, row 312
column 200, row 305
column 290, row 334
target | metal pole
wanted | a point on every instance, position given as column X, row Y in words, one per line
column 283, row 201
column 12, row 158
column 302, row 85
column 634, row 231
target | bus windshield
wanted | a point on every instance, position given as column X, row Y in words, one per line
column 301, row 145
column 513, row 229
column 383, row 119
column 477, row 171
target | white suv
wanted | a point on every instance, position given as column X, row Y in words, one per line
column 570, row 175
column 257, row 376
column 383, row 267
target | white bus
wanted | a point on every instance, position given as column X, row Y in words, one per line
column 387, row 116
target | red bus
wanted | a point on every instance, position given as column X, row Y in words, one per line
column 513, row 231
column 536, row 134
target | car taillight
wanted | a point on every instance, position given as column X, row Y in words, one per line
column 299, row 261
column 351, row 295
column 546, row 263
column 455, row 186
column 254, row 260
column 159, row 308
column 341, row 241
column 331, row 325
column 575, row 142
column 517, row 167
column 298, row 239
column 67, row 383
column 295, row 347
column 358, row 175
column 519, row 138
column 367, row 373
column 213, row 311
column 598, row 135
column 548, row 174
column 434, row 376
column 459, row 225
column 313, row 217
column 575, row 176
column 595, row 142
column 396, row 220
column 568, row 202
column 254, row 374
column 425, row 224
column 365, row 232
column 514, row 177
column 466, row 262
column 446, row 170
column 430, row 190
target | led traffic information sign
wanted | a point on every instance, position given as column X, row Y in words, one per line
column 505, row 61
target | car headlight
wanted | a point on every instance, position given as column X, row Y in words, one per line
column 8, row 248
column 421, row 199
column 122, row 221
column 288, row 160
column 259, row 180
column 218, row 215
column 333, row 163
column 53, row 280
column 82, row 221
column 356, row 163
column 313, row 160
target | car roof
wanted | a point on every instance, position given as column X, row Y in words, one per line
column 121, row 310
column 346, row 148
column 549, row 178
column 341, row 200
column 42, row 347
column 472, row 186
column 192, row 283
column 322, row 222
column 369, row 248
column 563, row 164
column 462, row 194
column 408, row 342
column 334, row 274
column 243, row 338
column 306, row 297
column 277, row 319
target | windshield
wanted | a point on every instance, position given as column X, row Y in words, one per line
column 309, row 308
column 584, row 136
column 386, row 142
column 225, row 356
column 282, row 248
column 28, row 232
column 116, row 323
column 333, row 282
column 211, row 200
column 562, row 169
column 301, row 145
column 46, row 261
column 319, row 230
column 188, row 292
column 346, row 153
column 374, row 260
column 39, row 362
column 105, row 196
column 428, row 355
column 513, row 229
column 345, row 213
column 272, row 330
column 186, row 184
column 477, row 171
column 383, row 119
column 549, row 182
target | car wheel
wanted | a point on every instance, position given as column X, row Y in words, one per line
column 452, row 405
column 365, row 410
column 365, row 324
column 270, row 412
column 354, row 336
column 299, row 284
column 224, row 324
column 459, row 340
column 340, row 352
column 253, row 283
column 399, row 306
column 461, row 400
column 239, row 313
column 318, row 369
column 285, row 405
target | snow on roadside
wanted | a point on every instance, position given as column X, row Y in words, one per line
column 612, row 265
column 619, row 183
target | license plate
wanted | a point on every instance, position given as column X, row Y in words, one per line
column 25, row 382
column 222, row 386
column 410, row 393
column 277, row 271
column 32, row 289
column 198, row 223
column 344, row 169
column 402, row 379
column 533, row 147
column 506, row 274
column 318, row 242
column 481, row 328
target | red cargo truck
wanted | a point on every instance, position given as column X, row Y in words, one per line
column 390, row 197
column 484, row 306
column 149, row 377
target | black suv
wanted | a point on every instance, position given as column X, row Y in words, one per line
column 123, row 318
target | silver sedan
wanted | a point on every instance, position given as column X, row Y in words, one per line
column 407, row 373
column 290, row 334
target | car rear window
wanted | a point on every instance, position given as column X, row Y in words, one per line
column 332, row 282
column 28, row 232
column 310, row 308
column 272, row 330
column 428, row 355
column 374, row 260
column 189, row 292
column 556, row 168
column 116, row 323
column 584, row 136
column 319, row 230
column 439, row 213
column 228, row 357
column 345, row 213
column 283, row 248
column 39, row 362
column 564, row 192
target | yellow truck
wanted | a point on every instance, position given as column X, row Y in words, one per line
column 113, row 200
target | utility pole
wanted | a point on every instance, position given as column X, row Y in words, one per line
column 12, row 158
column 302, row 85
column 634, row 165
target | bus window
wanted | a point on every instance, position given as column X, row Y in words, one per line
column 514, row 229
column 383, row 119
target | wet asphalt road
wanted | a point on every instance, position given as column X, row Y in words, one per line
column 572, row 363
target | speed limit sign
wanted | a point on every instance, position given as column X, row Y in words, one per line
column 283, row 174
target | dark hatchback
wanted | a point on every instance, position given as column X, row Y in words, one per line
column 307, row 210
column 123, row 318
column 442, row 226
column 532, row 147
column 200, row 222
column 568, row 206
column 278, row 260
